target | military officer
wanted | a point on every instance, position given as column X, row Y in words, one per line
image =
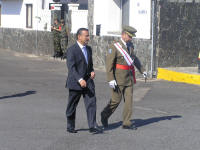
column 120, row 62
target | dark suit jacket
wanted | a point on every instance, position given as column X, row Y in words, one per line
column 78, row 68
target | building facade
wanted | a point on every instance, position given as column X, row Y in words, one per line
column 30, row 14
column 111, row 15
column 25, row 14
column 168, row 30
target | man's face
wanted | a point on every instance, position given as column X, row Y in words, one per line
column 84, row 38
column 126, row 37
column 129, row 38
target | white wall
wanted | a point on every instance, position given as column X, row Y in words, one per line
column 11, row 14
column 14, row 14
column 108, row 14
column 136, row 13
column 140, row 17
column 79, row 20
column 40, row 16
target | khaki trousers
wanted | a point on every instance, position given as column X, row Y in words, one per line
column 125, row 92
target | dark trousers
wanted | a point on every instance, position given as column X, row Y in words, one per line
column 90, row 105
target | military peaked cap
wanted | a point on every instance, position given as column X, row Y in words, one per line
column 129, row 30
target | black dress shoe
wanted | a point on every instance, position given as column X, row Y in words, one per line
column 71, row 130
column 104, row 121
column 131, row 127
column 63, row 57
column 95, row 130
column 54, row 56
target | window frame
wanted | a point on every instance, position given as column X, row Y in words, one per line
column 27, row 16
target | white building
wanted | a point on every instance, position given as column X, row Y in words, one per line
column 111, row 15
column 108, row 17
column 25, row 14
column 37, row 14
column 79, row 18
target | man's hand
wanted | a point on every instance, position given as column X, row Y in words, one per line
column 92, row 75
column 113, row 84
column 83, row 83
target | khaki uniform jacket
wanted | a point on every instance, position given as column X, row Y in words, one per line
column 122, row 77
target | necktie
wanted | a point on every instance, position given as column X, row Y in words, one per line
column 85, row 53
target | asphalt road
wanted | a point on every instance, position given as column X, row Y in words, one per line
column 33, row 102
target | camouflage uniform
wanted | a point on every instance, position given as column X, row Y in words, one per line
column 56, row 40
column 64, row 38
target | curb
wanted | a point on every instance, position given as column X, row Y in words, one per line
column 178, row 76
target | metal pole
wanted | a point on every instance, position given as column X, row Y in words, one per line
column 152, row 38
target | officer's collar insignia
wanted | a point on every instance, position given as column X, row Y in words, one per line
column 110, row 51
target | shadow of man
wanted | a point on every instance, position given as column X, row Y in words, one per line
column 19, row 94
column 142, row 122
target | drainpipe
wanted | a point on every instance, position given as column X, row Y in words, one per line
column 152, row 37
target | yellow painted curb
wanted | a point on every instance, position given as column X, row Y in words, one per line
column 178, row 76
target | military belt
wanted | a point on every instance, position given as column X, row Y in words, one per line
column 125, row 67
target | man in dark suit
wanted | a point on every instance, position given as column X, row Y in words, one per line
column 80, row 82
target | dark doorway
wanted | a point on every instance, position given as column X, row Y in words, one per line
column 64, row 10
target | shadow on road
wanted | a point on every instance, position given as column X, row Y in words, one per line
column 19, row 94
column 142, row 122
column 82, row 130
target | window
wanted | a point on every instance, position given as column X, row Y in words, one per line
column 29, row 15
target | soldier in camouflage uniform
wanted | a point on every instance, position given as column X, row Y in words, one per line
column 63, row 38
column 121, row 77
column 56, row 38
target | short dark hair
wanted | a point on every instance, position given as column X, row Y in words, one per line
column 79, row 32
column 57, row 20
column 62, row 21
